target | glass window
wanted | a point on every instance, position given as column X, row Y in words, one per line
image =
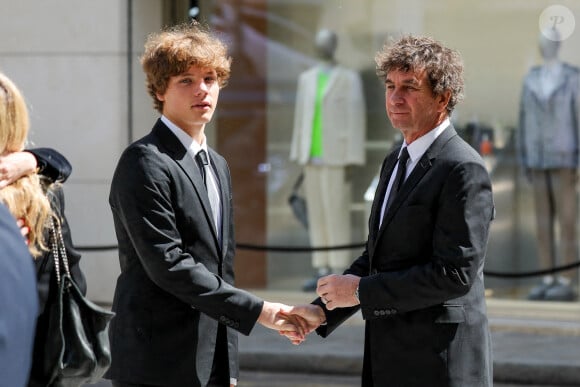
column 276, row 43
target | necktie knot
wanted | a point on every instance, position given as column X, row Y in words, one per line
column 211, row 186
column 404, row 156
column 201, row 158
column 202, row 163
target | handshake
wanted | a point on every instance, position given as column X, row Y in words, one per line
column 295, row 322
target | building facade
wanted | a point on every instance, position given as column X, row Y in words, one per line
column 77, row 64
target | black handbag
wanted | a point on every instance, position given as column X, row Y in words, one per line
column 77, row 349
column 298, row 203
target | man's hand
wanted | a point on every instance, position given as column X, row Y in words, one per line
column 309, row 316
column 279, row 317
column 15, row 165
column 337, row 291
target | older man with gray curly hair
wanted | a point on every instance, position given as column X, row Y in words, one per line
column 419, row 281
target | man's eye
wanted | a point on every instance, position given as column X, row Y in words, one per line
column 185, row 81
column 210, row 79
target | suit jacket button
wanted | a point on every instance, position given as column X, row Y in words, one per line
column 377, row 313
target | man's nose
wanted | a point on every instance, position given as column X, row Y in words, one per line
column 394, row 97
column 201, row 88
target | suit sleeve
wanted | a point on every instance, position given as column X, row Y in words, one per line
column 146, row 214
column 520, row 130
column 52, row 164
column 459, row 239
column 298, row 131
column 360, row 268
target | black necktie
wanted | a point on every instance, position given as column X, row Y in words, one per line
column 212, row 190
column 399, row 177
column 202, row 162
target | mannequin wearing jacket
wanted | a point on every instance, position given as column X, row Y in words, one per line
column 328, row 136
column 548, row 149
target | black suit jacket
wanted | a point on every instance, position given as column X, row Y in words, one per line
column 47, row 286
column 51, row 164
column 176, row 282
column 55, row 168
column 422, row 291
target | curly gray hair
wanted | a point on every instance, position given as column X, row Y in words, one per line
column 443, row 65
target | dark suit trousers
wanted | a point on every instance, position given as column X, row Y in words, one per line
column 121, row 384
column 220, row 374
column 220, row 370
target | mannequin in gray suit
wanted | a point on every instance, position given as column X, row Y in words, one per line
column 548, row 139
column 328, row 137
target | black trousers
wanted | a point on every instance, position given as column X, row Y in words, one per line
column 220, row 371
column 121, row 384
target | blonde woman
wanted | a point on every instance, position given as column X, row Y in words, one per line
column 25, row 197
column 34, row 199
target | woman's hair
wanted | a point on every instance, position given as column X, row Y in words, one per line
column 444, row 66
column 172, row 51
column 25, row 197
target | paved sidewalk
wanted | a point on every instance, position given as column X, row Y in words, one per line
column 533, row 344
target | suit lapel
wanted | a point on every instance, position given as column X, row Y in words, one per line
column 408, row 185
column 535, row 84
column 182, row 157
column 388, row 166
column 424, row 164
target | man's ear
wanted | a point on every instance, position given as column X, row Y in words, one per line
column 443, row 100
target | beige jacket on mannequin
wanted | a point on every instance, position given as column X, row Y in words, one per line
column 343, row 118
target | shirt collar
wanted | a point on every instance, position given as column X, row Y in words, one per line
column 184, row 138
column 418, row 147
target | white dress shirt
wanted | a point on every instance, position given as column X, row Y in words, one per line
column 416, row 150
column 211, row 179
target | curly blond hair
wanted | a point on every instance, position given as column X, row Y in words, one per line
column 172, row 51
column 25, row 198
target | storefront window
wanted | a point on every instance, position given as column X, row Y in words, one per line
column 275, row 42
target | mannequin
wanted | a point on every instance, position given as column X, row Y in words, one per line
column 328, row 137
column 548, row 148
